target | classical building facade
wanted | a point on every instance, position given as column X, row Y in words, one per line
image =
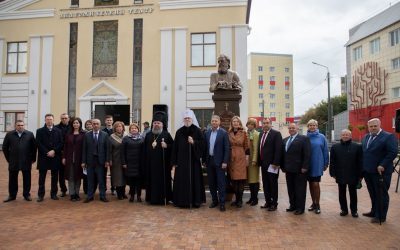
column 373, row 70
column 271, row 87
column 81, row 56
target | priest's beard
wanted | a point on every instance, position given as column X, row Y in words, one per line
column 187, row 123
column 156, row 131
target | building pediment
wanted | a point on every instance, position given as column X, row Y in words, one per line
column 14, row 10
column 103, row 91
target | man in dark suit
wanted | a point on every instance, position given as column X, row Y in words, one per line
column 296, row 157
column 269, row 158
column 94, row 159
column 64, row 127
column 216, row 159
column 379, row 151
column 50, row 142
column 19, row 148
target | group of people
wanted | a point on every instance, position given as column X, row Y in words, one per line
column 171, row 170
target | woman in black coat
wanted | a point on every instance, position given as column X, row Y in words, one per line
column 345, row 166
column 131, row 154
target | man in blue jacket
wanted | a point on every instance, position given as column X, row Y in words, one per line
column 216, row 158
column 379, row 151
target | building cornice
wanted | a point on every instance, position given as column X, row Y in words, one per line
column 27, row 14
column 11, row 5
column 191, row 4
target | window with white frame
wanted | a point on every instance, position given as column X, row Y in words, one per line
column 203, row 48
column 260, row 95
column 396, row 92
column 394, row 37
column 260, row 86
column 287, row 114
column 260, row 68
column 286, row 69
column 260, row 78
column 272, row 87
column 260, row 105
column 396, row 63
column 287, row 79
column 272, row 105
column 287, row 105
column 286, row 96
column 272, row 114
column 16, row 57
column 375, row 46
column 11, row 118
column 272, row 78
column 271, row 69
column 272, row 96
column 357, row 53
column 287, row 87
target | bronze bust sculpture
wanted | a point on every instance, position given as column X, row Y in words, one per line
column 225, row 79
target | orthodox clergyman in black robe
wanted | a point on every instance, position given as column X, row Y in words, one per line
column 188, row 188
column 157, row 154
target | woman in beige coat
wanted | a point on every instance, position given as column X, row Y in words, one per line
column 238, row 163
column 253, row 171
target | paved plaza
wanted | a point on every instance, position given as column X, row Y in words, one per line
column 122, row 225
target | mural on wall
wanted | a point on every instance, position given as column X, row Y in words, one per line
column 368, row 88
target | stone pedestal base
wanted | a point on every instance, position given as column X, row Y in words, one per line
column 226, row 105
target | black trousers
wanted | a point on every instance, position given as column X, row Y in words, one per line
column 61, row 179
column 134, row 186
column 13, row 182
column 343, row 199
column 42, row 181
column 270, row 186
column 297, row 190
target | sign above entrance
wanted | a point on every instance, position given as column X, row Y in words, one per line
column 128, row 10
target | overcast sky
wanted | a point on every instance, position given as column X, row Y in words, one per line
column 310, row 30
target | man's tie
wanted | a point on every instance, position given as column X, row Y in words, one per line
column 289, row 142
column 370, row 139
column 263, row 138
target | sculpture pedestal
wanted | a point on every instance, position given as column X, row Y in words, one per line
column 226, row 105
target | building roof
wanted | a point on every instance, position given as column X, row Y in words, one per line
column 268, row 54
column 374, row 24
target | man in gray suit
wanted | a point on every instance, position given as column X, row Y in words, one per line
column 94, row 159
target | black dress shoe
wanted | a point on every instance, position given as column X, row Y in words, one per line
column 298, row 212
column 104, row 199
column 369, row 214
column 87, row 200
column 234, row 203
column 343, row 213
column 28, row 198
column 131, row 199
column 317, row 209
column 112, row 192
column 254, row 203
column 266, row 205
column 124, row 196
column 272, row 208
column 290, row 209
column 54, row 197
column 63, row 194
column 139, row 199
column 376, row 220
column 196, row 205
column 312, row 207
column 249, row 201
column 213, row 204
column 355, row 214
column 39, row 199
column 9, row 198
column 222, row 208
column 239, row 204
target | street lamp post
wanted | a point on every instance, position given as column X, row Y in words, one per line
column 330, row 111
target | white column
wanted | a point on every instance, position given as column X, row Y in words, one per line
column 241, row 32
column 33, row 84
column 166, row 69
column 225, row 46
column 180, row 76
column 85, row 109
column 47, row 60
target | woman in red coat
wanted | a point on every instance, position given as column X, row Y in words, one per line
column 72, row 158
